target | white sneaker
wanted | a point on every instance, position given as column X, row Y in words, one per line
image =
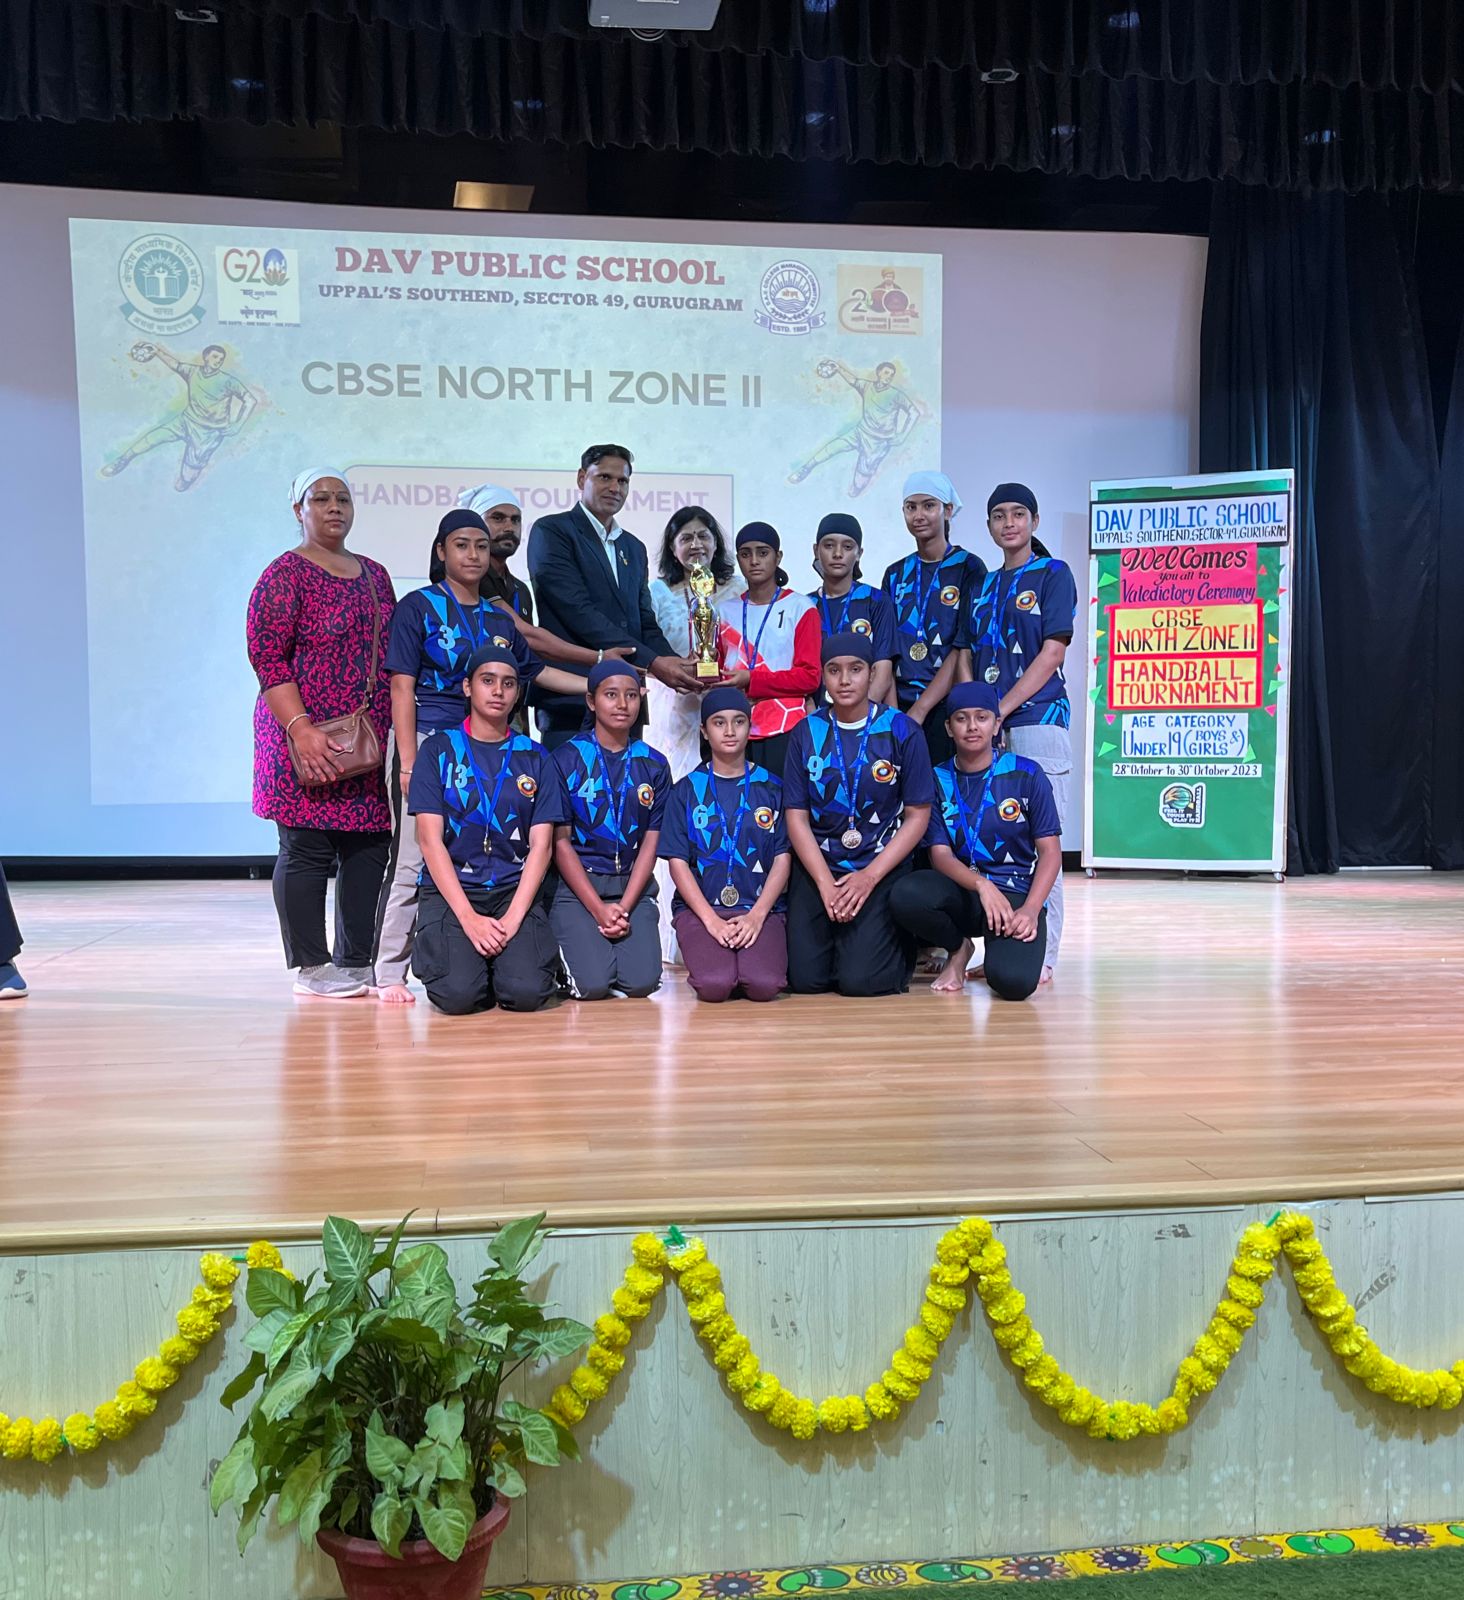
column 329, row 982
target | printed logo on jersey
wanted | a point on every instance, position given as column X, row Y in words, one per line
column 645, row 794
column 1026, row 599
column 500, row 641
column 950, row 595
column 527, row 786
column 882, row 772
column 862, row 625
column 1182, row 805
column 1010, row 810
column 764, row 818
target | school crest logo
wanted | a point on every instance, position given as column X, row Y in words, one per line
column 882, row 772
column 763, row 817
column 950, row 595
column 500, row 641
column 790, row 294
column 1182, row 805
column 1026, row 599
column 645, row 794
column 1010, row 811
column 861, row 625
column 162, row 282
column 527, row 786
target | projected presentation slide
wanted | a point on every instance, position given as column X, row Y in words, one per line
column 214, row 363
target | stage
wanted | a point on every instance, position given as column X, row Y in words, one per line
column 1211, row 1051
column 1205, row 1042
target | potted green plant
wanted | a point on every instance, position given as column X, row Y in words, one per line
column 383, row 1429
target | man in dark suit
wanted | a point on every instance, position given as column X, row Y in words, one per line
column 590, row 581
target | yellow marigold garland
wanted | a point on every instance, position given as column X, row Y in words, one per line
column 968, row 1257
column 198, row 1321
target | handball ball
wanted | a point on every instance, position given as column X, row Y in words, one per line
column 142, row 351
column 826, row 369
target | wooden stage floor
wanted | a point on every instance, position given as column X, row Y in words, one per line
column 1206, row 1042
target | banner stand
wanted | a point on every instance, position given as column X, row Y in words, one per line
column 1189, row 675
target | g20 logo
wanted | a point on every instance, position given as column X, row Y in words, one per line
column 266, row 268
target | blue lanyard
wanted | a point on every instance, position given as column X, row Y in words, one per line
column 929, row 588
column 973, row 833
column 492, row 808
column 617, row 809
column 823, row 600
column 993, row 636
column 848, row 788
column 731, row 833
column 750, row 661
column 478, row 634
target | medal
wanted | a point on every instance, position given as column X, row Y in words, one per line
column 993, row 673
column 488, row 806
column 920, row 649
column 615, row 803
column 851, row 838
column 731, row 831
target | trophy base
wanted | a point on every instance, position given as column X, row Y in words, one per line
column 708, row 669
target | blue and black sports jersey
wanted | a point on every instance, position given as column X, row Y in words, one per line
column 461, row 779
column 696, row 828
column 930, row 601
column 1011, row 617
column 896, row 773
column 432, row 637
column 993, row 823
column 865, row 610
column 615, row 798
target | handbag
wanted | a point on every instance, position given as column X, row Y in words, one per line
column 360, row 749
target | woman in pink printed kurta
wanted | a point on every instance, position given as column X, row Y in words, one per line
column 309, row 636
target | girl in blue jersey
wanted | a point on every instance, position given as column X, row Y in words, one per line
column 433, row 632
column 1019, row 626
column 848, row 605
column 929, row 591
column 857, row 792
column 486, row 801
column 604, row 911
column 724, row 840
column 995, row 849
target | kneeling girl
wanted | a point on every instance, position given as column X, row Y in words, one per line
column 728, row 853
column 486, row 800
column 604, row 911
column 995, row 850
column 858, row 792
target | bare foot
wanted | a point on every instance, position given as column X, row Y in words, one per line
column 396, row 994
column 931, row 962
column 952, row 977
column 1046, row 975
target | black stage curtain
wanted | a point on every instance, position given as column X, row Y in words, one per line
column 1386, row 43
column 1245, row 96
column 1312, row 357
column 1446, row 813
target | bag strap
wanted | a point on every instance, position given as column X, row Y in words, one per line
column 365, row 705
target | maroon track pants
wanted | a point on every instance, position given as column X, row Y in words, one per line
column 716, row 973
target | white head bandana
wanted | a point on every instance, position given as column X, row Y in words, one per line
column 486, row 496
column 309, row 478
column 934, row 483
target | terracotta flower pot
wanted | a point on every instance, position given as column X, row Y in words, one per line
column 422, row 1573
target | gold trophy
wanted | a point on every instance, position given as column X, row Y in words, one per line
column 703, row 621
